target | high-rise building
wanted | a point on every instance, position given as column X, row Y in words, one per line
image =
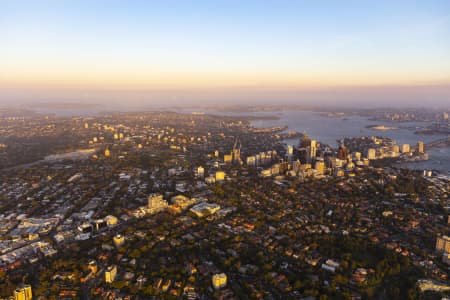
column 296, row 165
column 275, row 169
column 420, row 147
column 342, row 152
column 23, row 293
column 304, row 142
column 236, row 152
column 406, row 148
column 290, row 149
column 289, row 153
column 320, row 167
column 313, row 149
column 443, row 244
column 110, row 274
column 284, row 167
column 371, row 153
column 395, row 150
column 107, row 152
column 156, row 203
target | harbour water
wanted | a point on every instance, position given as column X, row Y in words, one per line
column 329, row 130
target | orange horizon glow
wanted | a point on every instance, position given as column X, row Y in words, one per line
column 186, row 80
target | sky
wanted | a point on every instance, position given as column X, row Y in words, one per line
column 225, row 51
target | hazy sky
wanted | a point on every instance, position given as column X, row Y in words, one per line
column 214, row 51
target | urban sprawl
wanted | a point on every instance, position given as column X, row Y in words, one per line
column 161, row 205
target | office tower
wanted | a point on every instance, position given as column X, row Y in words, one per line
column 406, row 148
column 236, row 152
column 296, row 166
column 110, row 274
column 23, row 293
column 257, row 159
column 420, row 147
column 313, row 149
column 371, row 153
column 275, row 169
column 263, row 157
column 320, row 167
column 156, row 203
column 357, row 156
column 304, row 142
column 342, row 152
column 395, row 150
column 284, row 167
column 290, row 150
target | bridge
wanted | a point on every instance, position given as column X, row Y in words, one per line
column 438, row 143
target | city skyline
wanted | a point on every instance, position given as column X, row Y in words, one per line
column 209, row 52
